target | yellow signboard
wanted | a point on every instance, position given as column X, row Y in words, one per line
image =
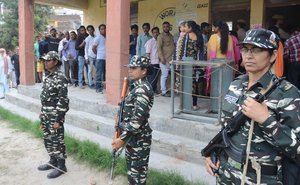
column 168, row 15
column 186, row 10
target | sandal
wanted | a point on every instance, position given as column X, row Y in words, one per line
column 196, row 108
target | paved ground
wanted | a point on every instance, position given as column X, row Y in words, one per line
column 21, row 153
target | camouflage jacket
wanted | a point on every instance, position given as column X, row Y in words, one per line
column 136, row 110
column 54, row 96
column 278, row 134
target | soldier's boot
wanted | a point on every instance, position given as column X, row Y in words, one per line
column 52, row 162
column 61, row 169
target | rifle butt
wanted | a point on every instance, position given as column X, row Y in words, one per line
column 124, row 88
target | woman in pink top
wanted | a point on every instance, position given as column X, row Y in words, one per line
column 220, row 45
column 237, row 53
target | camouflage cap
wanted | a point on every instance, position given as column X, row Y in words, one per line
column 139, row 61
column 261, row 38
column 51, row 55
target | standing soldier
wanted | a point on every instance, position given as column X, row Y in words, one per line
column 136, row 131
column 55, row 104
column 255, row 152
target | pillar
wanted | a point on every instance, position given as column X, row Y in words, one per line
column 26, row 12
column 257, row 13
column 117, row 47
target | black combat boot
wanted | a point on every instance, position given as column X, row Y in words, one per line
column 62, row 169
column 52, row 161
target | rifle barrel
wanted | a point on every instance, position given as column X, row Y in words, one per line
column 112, row 164
column 118, row 122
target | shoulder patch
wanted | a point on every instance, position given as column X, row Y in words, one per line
column 231, row 99
column 285, row 86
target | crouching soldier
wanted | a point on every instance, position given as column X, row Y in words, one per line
column 55, row 104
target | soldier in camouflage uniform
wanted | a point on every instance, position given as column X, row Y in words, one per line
column 136, row 131
column 55, row 104
column 275, row 122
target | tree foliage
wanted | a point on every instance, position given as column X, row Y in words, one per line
column 9, row 22
column 41, row 15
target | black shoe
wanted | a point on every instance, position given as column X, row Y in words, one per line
column 99, row 91
column 48, row 166
column 45, row 167
column 61, row 169
column 92, row 87
column 56, row 173
column 167, row 94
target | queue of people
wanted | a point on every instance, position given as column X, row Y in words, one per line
column 192, row 41
column 77, row 50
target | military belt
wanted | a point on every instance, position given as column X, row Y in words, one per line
column 265, row 169
column 50, row 103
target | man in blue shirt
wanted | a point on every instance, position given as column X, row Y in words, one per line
column 142, row 39
column 71, row 54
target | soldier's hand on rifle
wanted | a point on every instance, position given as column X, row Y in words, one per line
column 56, row 125
column 256, row 111
column 41, row 117
column 209, row 165
column 117, row 144
column 115, row 136
column 42, row 126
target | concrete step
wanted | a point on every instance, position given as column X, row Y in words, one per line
column 80, row 99
column 164, row 143
column 86, row 100
column 191, row 171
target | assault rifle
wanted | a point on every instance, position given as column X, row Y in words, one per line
column 118, row 121
column 234, row 124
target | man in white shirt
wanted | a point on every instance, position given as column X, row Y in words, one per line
column 61, row 45
column 89, row 54
column 151, row 51
column 99, row 47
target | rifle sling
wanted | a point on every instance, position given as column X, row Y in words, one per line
column 233, row 151
column 265, row 169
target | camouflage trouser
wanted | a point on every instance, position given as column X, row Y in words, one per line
column 228, row 175
column 137, row 158
column 54, row 141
